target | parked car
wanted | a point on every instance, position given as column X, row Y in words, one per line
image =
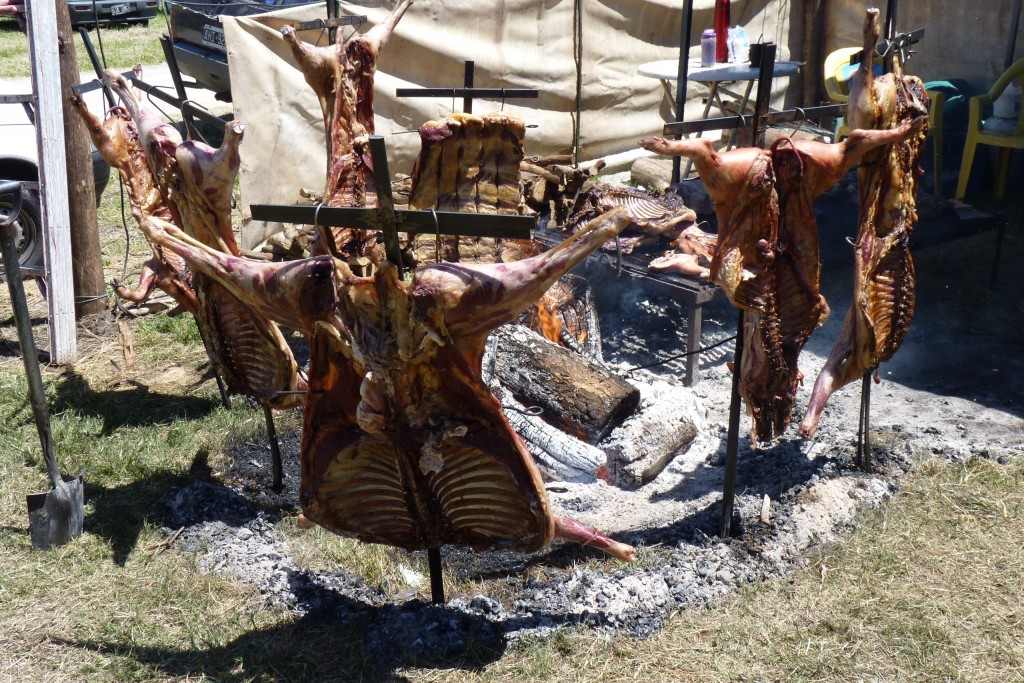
column 90, row 12
column 197, row 37
column 19, row 161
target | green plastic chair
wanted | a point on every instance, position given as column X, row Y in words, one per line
column 1006, row 142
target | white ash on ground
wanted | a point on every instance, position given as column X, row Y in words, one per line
column 963, row 397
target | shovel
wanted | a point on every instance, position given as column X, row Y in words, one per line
column 54, row 517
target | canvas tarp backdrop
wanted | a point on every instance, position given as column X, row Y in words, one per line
column 513, row 43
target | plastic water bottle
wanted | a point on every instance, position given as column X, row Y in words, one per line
column 707, row 47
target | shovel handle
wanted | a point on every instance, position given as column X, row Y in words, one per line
column 36, row 392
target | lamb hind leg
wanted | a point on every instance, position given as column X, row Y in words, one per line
column 576, row 532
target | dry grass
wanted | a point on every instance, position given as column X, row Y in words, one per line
column 927, row 589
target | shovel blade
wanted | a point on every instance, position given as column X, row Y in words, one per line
column 55, row 517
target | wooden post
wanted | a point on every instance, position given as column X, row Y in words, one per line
column 87, row 261
column 53, row 187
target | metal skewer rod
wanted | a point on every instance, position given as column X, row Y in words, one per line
column 732, row 444
column 864, row 424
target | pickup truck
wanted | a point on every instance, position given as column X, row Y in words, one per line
column 197, row 37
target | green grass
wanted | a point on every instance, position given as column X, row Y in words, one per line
column 926, row 589
column 120, row 47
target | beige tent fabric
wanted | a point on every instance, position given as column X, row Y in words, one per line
column 513, row 43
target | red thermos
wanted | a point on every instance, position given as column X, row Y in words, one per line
column 721, row 30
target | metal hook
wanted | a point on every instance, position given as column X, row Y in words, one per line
column 437, row 237
column 326, row 239
column 803, row 119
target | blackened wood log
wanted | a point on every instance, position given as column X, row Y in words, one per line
column 649, row 441
column 579, row 396
column 559, row 456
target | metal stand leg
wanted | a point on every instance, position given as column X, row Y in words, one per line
column 275, row 451
column 733, row 443
column 693, row 325
column 436, row 580
column 863, row 427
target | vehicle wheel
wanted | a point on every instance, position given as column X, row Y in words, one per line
column 28, row 237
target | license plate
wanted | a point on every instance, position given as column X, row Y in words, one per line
column 213, row 35
column 122, row 8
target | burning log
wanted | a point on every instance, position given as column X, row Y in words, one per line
column 577, row 395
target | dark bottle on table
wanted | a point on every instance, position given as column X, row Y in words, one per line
column 721, row 30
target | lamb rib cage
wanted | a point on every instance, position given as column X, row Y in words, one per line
column 403, row 443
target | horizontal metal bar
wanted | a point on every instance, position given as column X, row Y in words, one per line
column 185, row 107
column 807, row 113
column 729, row 122
column 702, row 125
column 503, row 93
column 448, row 222
column 15, row 99
column 88, row 86
column 9, row 187
column 329, row 23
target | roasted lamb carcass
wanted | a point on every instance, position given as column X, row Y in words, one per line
column 341, row 75
column 468, row 163
column 655, row 216
column 471, row 164
column 766, row 258
column 883, row 289
column 117, row 140
column 402, row 443
column 195, row 181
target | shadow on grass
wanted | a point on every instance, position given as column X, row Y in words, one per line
column 119, row 513
column 350, row 641
column 134, row 407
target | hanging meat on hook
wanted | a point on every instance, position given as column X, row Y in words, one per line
column 403, row 444
column 766, row 258
column 883, row 288
column 341, row 75
column 468, row 163
column 117, row 140
column 195, row 181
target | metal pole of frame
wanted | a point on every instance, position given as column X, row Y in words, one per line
column 732, row 445
column 682, row 76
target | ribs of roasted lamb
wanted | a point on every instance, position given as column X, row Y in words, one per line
column 883, row 290
column 194, row 182
column 342, row 77
column 403, row 444
column 655, row 216
column 766, row 258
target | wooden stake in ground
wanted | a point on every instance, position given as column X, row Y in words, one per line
column 87, row 262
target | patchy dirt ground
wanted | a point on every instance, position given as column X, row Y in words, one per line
column 955, row 390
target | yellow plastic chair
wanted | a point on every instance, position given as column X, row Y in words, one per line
column 1006, row 142
column 835, row 88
